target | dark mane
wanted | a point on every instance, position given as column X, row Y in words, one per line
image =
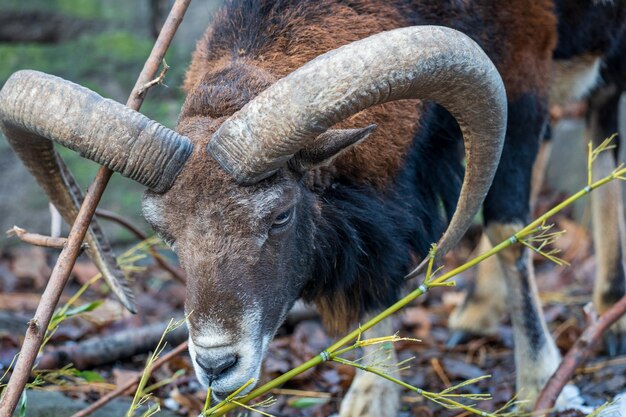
column 579, row 31
column 366, row 242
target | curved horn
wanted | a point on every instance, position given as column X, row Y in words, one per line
column 423, row 62
column 37, row 108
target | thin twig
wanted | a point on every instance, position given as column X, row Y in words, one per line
column 67, row 258
column 158, row 80
column 109, row 215
column 39, row 240
column 132, row 383
column 114, row 217
column 578, row 354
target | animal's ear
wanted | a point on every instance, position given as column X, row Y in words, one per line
column 327, row 147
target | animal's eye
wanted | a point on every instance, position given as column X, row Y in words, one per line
column 283, row 218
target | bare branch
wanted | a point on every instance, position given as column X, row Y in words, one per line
column 100, row 350
column 40, row 240
column 577, row 355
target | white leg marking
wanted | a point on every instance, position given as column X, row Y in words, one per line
column 370, row 395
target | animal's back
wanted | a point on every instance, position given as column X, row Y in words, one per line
column 269, row 39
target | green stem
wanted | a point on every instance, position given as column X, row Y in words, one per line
column 207, row 401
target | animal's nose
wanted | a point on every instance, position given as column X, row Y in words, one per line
column 216, row 366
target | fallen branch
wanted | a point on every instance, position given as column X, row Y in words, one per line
column 132, row 383
column 577, row 355
column 39, row 240
column 61, row 272
column 177, row 273
column 106, row 349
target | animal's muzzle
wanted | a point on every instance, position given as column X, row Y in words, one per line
column 215, row 366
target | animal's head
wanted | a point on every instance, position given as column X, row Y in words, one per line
column 235, row 208
column 244, row 250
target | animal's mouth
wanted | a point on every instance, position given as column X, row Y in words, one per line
column 229, row 382
column 219, row 396
column 226, row 369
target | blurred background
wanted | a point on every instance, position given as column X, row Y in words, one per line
column 101, row 44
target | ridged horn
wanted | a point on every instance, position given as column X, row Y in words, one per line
column 37, row 109
column 423, row 62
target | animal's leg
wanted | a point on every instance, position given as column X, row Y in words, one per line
column 608, row 215
column 536, row 355
column 370, row 395
column 484, row 303
column 506, row 210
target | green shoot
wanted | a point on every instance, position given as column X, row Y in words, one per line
column 165, row 381
column 207, row 401
column 143, row 395
column 592, row 154
column 542, row 238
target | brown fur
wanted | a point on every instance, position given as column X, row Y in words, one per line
column 378, row 159
column 526, row 27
